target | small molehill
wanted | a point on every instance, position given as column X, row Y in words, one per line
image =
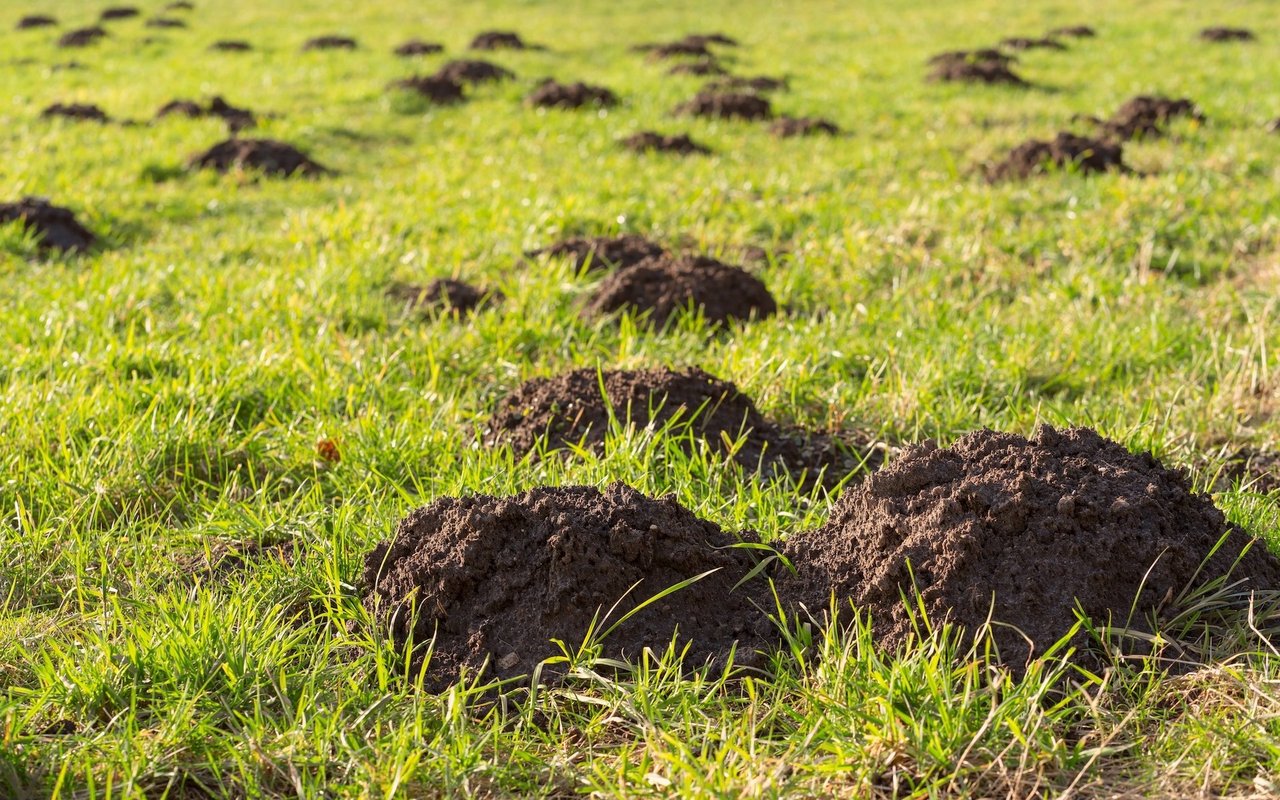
column 744, row 83
column 466, row 71
column 680, row 49
column 237, row 119
column 663, row 286
column 82, row 37
column 704, row 68
column 1074, row 32
column 498, row 40
column 1066, row 151
column 166, row 23
column 417, row 47
column 330, row 43
column 1227, row 35
column 602, row 252
column 231, row 46
column 435, row 88
column 444, row 296
column 787, row 127
column 972, row 56
column 495, row 580
column 710, row 38
column 654, row 142
column 726, row 105
column 1032, row 43
column 1036, row 526
column 36, row 21
column 989, row 67
column 1146, row 115
column 55, row 228
column 264, row 155
column 119, row 12
column 180, row 5
column 76, row 111
column 552, row 94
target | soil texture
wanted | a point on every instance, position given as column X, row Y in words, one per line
column 36, row 21
column 55, row 228
column 1227, row 35
column 743, row 83
column 963, row 67
column 330, row 43
column 499, row 40
column 1146, row 115
column 119, row 12
column 705, row 68
column 1074, row 32
column 435, row 88
column 231, row 46
column 79, row 111
column 417, row 47
column 665, row 286
column 82, row 37
column 1065, row 151
column 445, row 296
column 237, row 119
column 265, row 155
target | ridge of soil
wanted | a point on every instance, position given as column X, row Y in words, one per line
column 1074, row 31
column 498, row 40
column 960, row 67
column 417, row 47
column 436, row 88
column 119, row 12
column 787, row 127
column 77, row 111
column 231, row 46
column 1146, row 115
column 32, row 21
column 1219, row 34
column 82, row 37
column 237, row 119
column 701, row 69
column 330, row 42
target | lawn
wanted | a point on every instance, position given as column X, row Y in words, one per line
column 210, row 418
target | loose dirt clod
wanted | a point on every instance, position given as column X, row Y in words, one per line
column 119, row 12
column 56, row 228
column 444, row 295
column 165, row 23
column 231, row 46
column 602, row 252
column 473, row 72
column 1030, row 43
column 742, row 83
column 266, row 155
column 787, row 127
column 727, row 105
column 552, row 94
column 664, row 286
column 653, row 142
column 498, row 40
column 1038, row 525
column 1146, row 115
column 330, row 43
column 82, row 37
column 1227, row 35
column 36, row 21
column 1065, row 151
column 979, row 66
column 1074, row 31
column 497, row 579
column 78, row 111
column 435, row 88
column 703, row 68
column 237, row 119
column 417, row 47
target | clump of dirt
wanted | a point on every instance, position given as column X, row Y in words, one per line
column 726, row 105
column 495, row 580
column 37, row 21
column 498, row 40
column 701, row 69
column 1064, row 151
column 78, row 111
column 330, row 43
column 1074, row 31
column 180, row 5
column 444, row 295
column 119, row 12
column 56, row 228
column 417, row 47
column 602, row 252
column 265, row 155
column 743, row 83
column 435, row 88
column 231, row 46
column 653, row 142
column 465, row 72
column 552, row 94
column 680, row 49
column 1030, row 43
column 1036, row 526
column 664, row 286
column 989, row 67
column 1146, row 115
column 787, row 127
column 237, row 119
column 710, row 38
column 82, row 37
column 1227, row 35
column 972, row 56
column 165, row 23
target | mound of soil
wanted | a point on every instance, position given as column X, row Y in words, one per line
column 465, row 72
column 165, row 22
column 727, row 105
column 989, row 72
column 1074, row 31
column 972, row 56
column 237, row 119
column 497, row 579
column 82, row 37
column 1038, row 524
column 680, row 49
column 435, row 88
column 330, row 43
column 1227, row 35
column 1028, row 43
column 417, row 47
column 231, row 46
column 119, row 12
column 444, row 295
column 1064, row 151
column 1258, row 470
column 498, row 40
column 1146, row 115
column 664, row 286
column 265, row 155
column 701, row 69
column 651, row 142
column 180, row 5
column 56, row 228
column 36, row 21
column 80, row 111
column 551, row 94
column 786, row 127
column 602, row 252
column 742, row 83
column 705, row 39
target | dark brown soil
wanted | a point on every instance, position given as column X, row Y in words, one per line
column 787, row 127
column 602, row 252
column 231, row 46
column 417, row 47
column 498, row 40
column 1028, row 43
column 664, row 286
column 988, row 55
column 37, row 21
column 330, row 43
column 680, row 49
column 710, row 38
column 119, row 12
column 653, row 142
column 1227, row 35
column 166, row 23
column 82, row 37
column 1145, row 116
column 80, row 111
column 1066, row 151
column 180, row 5
column 237, row 119
column 963, row 70
column 465, row 72
column 56, row 228
column 444, row 295
column 1257, row 470
column 551, row 94
column 1040, row 525
column 704, row 68
column 726, row 105
column 1074, row 31
column 265, row 155
column 435, row 88
column 495, row 580
column 742, row 83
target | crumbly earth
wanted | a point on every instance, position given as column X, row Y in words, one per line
column 237, row 119
column 436, row 88
column 1227, row 35
column 266, row 155
column 973, row 68
column 702, row 68
column 1064, row 151
column 1146, row 115
column 81, row 37
column 602, row 252
column 553, row 94
column 472, row 71
column 55, row 228
column 1023, row 529
column 498, row 40
column 36, row 21
column 1074, row 31
column 727, row 105
column 665, row 286
column 79, row 111
column 654, row 142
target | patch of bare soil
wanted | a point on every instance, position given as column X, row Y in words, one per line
column 663, row 286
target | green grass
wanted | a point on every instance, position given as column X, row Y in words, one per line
column 161, row 399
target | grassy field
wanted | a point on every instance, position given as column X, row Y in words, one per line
column 162, row 398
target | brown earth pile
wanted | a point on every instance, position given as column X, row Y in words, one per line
column 602, row 252
column 680, row 49
column 165, row 23
column 552, row 94
column 330, row 43
column 435, row 88
column 1227, row 35
column 1030, row 43
column 984, row 54
column 79, row 111
column 1040, row 525
column 664, row 286
column 1074, row 31
column 119, row 12
column 265, row 155
column 652, row 141
column 498, row 40
column 237, row 119
column 989, row 67
column 467, row 71
column 81, row 37
column 417, row 47
column 36, row 21
column 743, row 83
column 787, row 127
column 1146, row 115
column 703, row 68
column 1064, row 151
column 55, row 228
column 445, row 295
column 726, row 105
column 231, row 46
column 180, row 5
column 495, row 580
